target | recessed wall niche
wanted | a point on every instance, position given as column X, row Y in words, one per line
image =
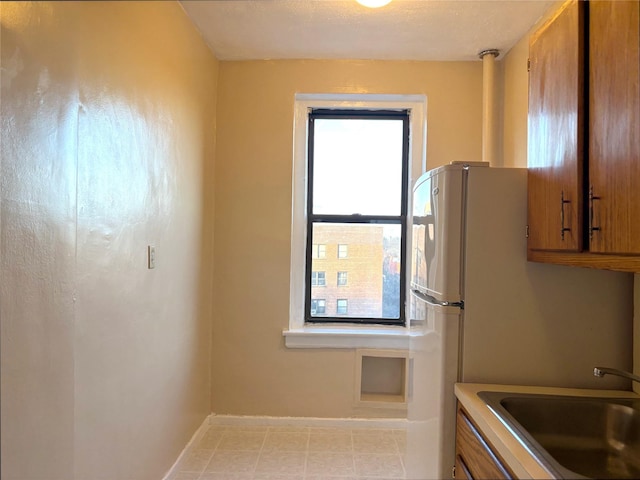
column 381, row 378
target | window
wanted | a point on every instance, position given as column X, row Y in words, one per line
column 318, row 306
column 357, row 196
column 342, row 307
column 304, row 333
column 319, row 251
column 318, row 279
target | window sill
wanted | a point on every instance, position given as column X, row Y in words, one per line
column 348, row 336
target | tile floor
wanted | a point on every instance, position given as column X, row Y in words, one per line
column 295, row 453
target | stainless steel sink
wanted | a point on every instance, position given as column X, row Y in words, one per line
column 574, row 437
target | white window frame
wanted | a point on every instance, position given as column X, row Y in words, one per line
column 299, row 334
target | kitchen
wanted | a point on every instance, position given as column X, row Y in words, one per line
column 99, row 346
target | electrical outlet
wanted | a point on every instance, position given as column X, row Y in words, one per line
column 151, row 256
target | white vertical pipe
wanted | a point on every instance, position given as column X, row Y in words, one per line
column 489, row 137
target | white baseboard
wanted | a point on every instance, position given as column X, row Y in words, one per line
column 199, row 433
column 393, row 423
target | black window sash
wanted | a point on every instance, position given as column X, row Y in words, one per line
column 357, row 218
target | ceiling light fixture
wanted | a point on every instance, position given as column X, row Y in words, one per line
column 373, row 3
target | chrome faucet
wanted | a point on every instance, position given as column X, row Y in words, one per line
column 602, row 371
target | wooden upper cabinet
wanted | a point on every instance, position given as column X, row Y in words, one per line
column 584, row 137
column 556, row 132
column 614, row 127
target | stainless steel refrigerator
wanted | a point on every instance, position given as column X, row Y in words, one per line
column 479, row 312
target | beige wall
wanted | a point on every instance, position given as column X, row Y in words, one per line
column 253, row 373
column 515, row 105
column 107, row 147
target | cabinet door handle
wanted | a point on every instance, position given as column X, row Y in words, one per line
column 562, row 227
column 592, row 198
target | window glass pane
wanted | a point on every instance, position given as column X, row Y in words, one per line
column 357, row 166
column 318, row 306
column 318, row 278
column 372, row 268
column 342, row 307
column 318, row 251
column 321, row 306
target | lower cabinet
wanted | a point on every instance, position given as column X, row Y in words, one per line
column 475, row 459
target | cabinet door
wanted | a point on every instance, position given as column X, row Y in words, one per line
column 556, row 126
column 474, row 457
column 461, row 470
column 614, row 124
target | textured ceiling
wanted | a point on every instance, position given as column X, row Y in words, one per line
column 331, row 29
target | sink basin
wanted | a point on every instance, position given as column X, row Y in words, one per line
column 574, row 437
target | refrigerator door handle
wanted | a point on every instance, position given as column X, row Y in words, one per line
column 432, row 301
